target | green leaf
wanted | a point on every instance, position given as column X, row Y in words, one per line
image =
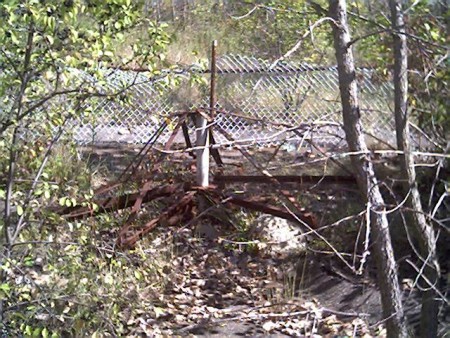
column 28, row 261
column 28, row 330
column 434, row 35
column 14, row 38
column 137, row 275
column 37, row 332
column 62, row 201
column 19, row 210
column 5, row 287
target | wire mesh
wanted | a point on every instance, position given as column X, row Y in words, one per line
column 256, row 103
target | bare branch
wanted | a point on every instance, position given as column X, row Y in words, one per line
column 250, row 12
column 300, row 41
column 20, row 223
column 430, row 284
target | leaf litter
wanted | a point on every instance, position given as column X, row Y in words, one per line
column 211, row 285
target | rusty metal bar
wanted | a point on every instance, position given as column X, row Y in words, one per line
column 310, row 179
column 172, row 215
column 214, row 151
column 212, row 94
column 187, row 139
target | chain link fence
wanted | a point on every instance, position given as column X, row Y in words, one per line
column 257, row 103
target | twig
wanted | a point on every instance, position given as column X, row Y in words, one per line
column 338, row 254
column 439, row 202
column 430, row 284
column 20, row 222
column 246, row 14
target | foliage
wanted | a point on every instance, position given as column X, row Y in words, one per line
column 42, row 43
column 428, row 58
column 269, row 31
column 71, row 282
column 48, row 53
column 430, row 75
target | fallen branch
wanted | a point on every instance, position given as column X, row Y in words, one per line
column 122, row 202
column 305, row 217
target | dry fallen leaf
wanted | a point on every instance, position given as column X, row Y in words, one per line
column 269, row 326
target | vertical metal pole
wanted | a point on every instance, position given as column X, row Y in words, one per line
column 202, row 141
column 212, row 95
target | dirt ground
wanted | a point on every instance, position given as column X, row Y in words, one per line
column 229, row 290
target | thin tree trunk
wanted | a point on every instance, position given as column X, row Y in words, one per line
column 424, row 233
column 158, row 10
column 174, row 14
column 383, row 252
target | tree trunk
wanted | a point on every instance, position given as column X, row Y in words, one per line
column 174, row 14
column 424, row 233
column 383, row 252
